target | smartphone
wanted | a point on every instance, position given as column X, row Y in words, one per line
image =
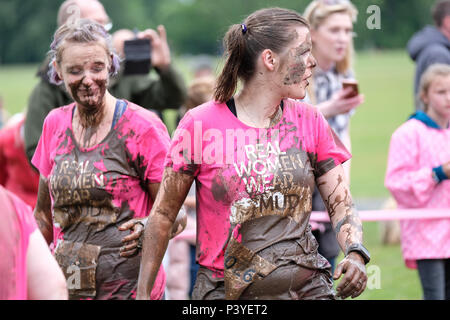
column 138, row 56
column 351, row 84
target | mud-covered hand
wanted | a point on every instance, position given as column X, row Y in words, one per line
column 160, row 47
column 355, row 278
column 132, row 243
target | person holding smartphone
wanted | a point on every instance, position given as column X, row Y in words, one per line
column 332, row 37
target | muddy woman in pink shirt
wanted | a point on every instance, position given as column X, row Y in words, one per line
column 100, row 161
column 256, row 157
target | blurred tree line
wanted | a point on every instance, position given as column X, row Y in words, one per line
column 193, row 26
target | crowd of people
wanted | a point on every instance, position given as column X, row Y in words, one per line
column 99, row 202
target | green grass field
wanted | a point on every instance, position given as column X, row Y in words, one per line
column 389, row 279
column 385, row 78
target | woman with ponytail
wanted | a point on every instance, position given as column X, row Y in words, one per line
column 256, row 156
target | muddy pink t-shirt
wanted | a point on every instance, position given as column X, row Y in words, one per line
column 260, row 179
column 17, row 225
column 94, row 191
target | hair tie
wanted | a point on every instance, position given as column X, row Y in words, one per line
column 244, row 28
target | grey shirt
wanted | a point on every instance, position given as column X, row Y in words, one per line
column 427, row 47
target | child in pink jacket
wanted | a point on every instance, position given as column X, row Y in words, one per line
column 418, row 174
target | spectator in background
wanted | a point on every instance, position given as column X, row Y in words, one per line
column 203, row 66
column 166, row 92
column 431, row 44
column 182, row 266
column 200, row 91
column 119, row 37
column 27, row 268
column 16, row 173
column 418, row 175
column 332, row 37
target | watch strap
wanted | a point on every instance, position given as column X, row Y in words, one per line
column 358, row 247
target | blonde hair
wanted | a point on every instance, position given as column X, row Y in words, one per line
column 433, row 71
column 200, row 91
column 81, row 31
column 316, row 13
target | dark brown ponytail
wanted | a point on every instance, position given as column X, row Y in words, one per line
column 263, row 29
column 227, row 82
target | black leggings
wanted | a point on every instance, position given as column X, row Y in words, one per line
column 435, row 278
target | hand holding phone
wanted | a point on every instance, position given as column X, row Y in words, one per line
column 342, row 101
column 160, row 48
column 137, row 56
column 350, row 84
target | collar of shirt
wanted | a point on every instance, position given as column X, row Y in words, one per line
column 423, row 117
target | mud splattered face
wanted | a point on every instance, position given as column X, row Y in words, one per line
column 84, row 69
column 297, row 65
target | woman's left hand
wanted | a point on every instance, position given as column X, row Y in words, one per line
column 132, row 243
column 355, row 279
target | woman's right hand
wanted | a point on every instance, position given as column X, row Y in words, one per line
column 340, row 104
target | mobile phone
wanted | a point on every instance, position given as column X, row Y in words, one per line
column 138, row 57
column 350, row 84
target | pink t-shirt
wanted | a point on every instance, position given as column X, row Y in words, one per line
column 94, row 191
column 414, row 151
column 17, row 225
column 244, row 173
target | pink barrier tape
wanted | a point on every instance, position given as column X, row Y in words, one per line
column 189, row 235
column 365, row 215
column 385, row 215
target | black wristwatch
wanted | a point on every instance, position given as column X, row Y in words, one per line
column 358, row 247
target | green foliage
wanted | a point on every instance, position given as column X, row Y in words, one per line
column 194, row 26
column 25, row 29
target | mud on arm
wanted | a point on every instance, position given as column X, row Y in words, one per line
column 348, row 227
column 336, row 195
column 159, row 228
column 181, row 220
column 43, row 210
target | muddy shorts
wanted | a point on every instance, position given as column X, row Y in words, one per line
column 290, row 282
